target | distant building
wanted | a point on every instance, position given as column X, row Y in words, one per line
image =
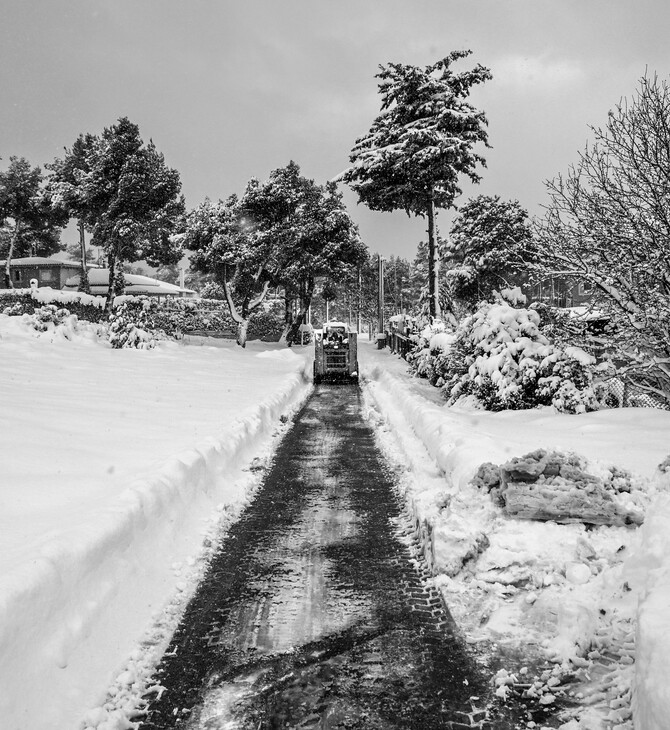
column 560, row 291
column 135, row 285
column 47, row 272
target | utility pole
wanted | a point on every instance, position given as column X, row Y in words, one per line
column 360, row 301
column 380, row 300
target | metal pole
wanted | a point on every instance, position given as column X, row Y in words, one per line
column 380, row 301
column 360, row 299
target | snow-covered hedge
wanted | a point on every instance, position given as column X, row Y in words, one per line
column 172, row 318
column 178, row 316
column 499, row 356
column 26, row 301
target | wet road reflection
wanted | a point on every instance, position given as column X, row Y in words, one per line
column 315, row 613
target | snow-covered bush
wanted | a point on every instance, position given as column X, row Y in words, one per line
column 177, row 316
column 50, row 318
column 500, row 357
column 213, row 290
column 130, row 324
column 18, row 308
column 426, row 359
column 509, row 364
column 266, row 325
column 88, row 308
column 49, row 314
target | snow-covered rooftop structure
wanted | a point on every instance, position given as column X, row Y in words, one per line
column 136, row 284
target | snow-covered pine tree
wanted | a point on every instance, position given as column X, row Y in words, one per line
column 490, row 248
column 31, row 223
column 419, row 145
column 134, row 202
column 324, row 243
column 67, row 183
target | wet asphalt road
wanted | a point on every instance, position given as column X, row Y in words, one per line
column 315, row 613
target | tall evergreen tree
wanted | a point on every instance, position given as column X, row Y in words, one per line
column 68, row 181
column 133, row 202
column 420, row 144
column 491, row 247
column 32, row 224
column 327, row 245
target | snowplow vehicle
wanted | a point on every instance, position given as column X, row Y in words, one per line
column 335, row 353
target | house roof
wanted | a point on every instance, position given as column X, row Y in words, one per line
column 135, row 284
column 42, row 261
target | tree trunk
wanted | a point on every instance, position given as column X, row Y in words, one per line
column 248, row 306
column 116, row 284
column 433, row 263
column 8, row 265
column 242, row 327
column 306, row 294
column 84, row 284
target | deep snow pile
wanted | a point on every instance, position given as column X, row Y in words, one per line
column 593, row 600
column 116, row 464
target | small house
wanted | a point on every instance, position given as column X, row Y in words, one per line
column 46, row 271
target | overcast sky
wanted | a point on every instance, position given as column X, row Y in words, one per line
column 231, row 90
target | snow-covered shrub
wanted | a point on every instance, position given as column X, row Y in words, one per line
column 17, row 309
column 49, row 314
column 178, row 316
column 426, row 358
column 50, row 318
column 213, row 290
column 87, row 308
column 500, row 356
column 265, row 325
column 130, row 324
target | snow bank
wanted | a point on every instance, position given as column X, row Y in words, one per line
column 584, row 594
column 114, row 462
column 649, row 572
column 47, row 295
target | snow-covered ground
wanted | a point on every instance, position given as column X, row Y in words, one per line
column 114, row 463
column 119, row 466
column 596, row 601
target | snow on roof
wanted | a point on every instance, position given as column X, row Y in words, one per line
column 586, row 312
column 41, row 261
column 135, row 284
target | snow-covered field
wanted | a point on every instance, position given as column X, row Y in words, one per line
column 118, row 466
column 113, row 465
